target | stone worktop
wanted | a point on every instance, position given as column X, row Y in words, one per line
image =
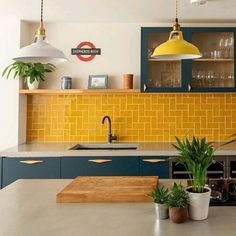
column 144, row 149
column 28, row 207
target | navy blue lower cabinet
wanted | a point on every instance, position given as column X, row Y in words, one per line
column 29, row 168
column 113, row 166
column 154, row 166
column 72, row 167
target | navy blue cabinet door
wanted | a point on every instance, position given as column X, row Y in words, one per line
column 154, row 166
column 72, row 167
column 115, row 166
column 29, row 168
column 99, row 166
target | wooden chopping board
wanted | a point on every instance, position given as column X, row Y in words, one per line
column 108, row 189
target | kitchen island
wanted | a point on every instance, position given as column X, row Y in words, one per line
column 29, row 208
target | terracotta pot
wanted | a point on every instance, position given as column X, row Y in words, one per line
column 178, row 214
column 199, row 204
column 128, row 81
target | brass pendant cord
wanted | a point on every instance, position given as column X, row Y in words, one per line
column 41, row 30
column 176, row 26
column 41, row 17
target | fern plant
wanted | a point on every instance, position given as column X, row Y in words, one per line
column 196, row 156
column 178, row 197
column 35, row 71
column 160, row 195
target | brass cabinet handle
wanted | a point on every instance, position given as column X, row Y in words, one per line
column 100, row 161
column 189, row 87
column 145, row 87
column 153, row 160
column 31, row 162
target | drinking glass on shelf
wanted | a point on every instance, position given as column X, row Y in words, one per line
column 221, row 47
column 231, row 47
column 222, row 79
column 226, row 48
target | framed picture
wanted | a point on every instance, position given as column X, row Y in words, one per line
column 98, row 82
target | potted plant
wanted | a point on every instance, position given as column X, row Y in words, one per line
column 177, row 202
column 32, row 72
column 196, row 156
column 160, row 197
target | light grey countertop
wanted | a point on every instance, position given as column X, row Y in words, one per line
column 62, row 149
column 29, row 208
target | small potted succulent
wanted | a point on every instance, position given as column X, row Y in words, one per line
column 32, row 72
column 177, row 202
column 196, row 156
column 160, row 196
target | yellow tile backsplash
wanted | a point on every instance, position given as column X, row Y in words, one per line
column 135, row 117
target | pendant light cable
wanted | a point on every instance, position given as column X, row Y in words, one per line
column 41, row 30
column 177, row 25
column 41, row 11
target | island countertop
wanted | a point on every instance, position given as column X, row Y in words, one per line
column 143, row 149
column 28, row 207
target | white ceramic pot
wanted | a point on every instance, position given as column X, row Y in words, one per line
column 162, row 211
column 34, row 85
column 199, row 204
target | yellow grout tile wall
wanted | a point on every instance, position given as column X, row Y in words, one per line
column 135, row 117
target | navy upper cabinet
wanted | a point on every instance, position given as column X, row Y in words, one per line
column 213, row 72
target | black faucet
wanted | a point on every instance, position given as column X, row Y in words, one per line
column 110, row 137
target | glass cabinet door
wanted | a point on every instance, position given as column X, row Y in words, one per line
column 159, row 75
column 215, row 70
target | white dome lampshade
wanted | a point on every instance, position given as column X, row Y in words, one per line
column 40, row 50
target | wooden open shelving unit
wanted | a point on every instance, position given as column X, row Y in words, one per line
column 78, row 91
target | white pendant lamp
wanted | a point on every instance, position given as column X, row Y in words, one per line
column 176, row 48
column 40, row 50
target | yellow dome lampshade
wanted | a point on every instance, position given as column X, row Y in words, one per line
column 176, row 48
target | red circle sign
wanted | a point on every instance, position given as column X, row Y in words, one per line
column 86, row 45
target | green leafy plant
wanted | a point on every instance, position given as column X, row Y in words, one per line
column 196, row 156
column 160, row 195
column 35, row 71
column 178, row 197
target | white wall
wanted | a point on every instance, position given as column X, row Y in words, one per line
column 9, row 94
column 120, row 48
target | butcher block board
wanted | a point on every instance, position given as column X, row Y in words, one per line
column 108, row 189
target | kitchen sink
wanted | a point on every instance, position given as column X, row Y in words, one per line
column 105, row 146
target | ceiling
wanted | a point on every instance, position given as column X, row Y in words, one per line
column 132, row 11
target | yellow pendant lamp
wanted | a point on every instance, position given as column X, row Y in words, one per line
column 176, row 48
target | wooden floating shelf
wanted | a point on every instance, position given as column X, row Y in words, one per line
column 202, row 59
column 78, row 91
column 162, row 60
column 215, row 60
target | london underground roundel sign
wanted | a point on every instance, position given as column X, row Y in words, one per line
column 86, row 51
